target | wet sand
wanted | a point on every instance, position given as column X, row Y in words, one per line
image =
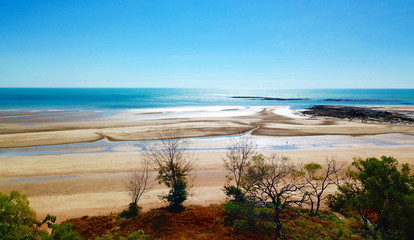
column 73, row 181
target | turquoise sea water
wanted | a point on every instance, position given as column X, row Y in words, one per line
column 130, row 98
column 111, row 100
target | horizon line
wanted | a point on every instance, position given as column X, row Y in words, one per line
column 247, row 88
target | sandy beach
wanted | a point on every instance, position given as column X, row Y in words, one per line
column 71, row 164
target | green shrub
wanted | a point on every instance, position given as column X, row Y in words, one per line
column 246, row 217
column 177, row 194
column 132, row 211
column 17, row 219
column 382, row 194
column 235, row 193
column 64, row 231
column 137, row 235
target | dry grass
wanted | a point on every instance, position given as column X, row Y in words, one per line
column 202, row 223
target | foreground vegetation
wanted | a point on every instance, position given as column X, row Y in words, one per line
column 18, row 222
column 216, row 222
column 268, row 197
column 375, row 197
column 229, row 221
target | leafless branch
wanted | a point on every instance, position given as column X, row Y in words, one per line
column 240, row 151
column 170, row 156
column 136, row 182
column 318, row 179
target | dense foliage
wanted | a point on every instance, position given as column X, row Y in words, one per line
column 132, row 211
column 248, row 220
column 18, row 221
column 137, row 235
column 63, row 231
column 382, row 194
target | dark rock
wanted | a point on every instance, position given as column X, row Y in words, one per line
column 247, row 97
column 283, row 99
column 350, row 100
column 271, row 98
column 359, row 113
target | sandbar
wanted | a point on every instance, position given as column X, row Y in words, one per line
column 72, row 164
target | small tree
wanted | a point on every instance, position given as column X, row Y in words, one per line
column 318, row 179
column 275, row 183
column 174, row 163
column 17, row 219
column 136, row 183
column 378, row 186
column 239, row 155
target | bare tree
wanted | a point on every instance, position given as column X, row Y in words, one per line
column 173, row 161
column 275, row 183
column 239, row 155
column 136, row 182
column 318, row 179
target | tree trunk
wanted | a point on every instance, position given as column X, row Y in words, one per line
column 278, row 225
column 312, row 203
column 318, row 204
column 369, row 224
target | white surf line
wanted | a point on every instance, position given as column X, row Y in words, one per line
column 288, row 112
column 189, row 112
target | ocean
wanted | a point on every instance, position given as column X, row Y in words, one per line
column 137, row 98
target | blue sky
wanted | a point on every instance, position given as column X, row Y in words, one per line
column 206, row 43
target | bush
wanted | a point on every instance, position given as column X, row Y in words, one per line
column 235, row 193
column 17, row 219
column 177, row 195
column 64, row 231
column 132, row 211
column 246, row 218
column 137, row 235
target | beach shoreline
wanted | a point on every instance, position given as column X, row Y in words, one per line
column 84, row 156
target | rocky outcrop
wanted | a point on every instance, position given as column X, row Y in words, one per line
column 359, row 113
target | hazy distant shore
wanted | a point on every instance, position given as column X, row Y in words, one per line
column 80, row 157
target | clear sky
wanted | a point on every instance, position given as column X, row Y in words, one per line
column 206, row 43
